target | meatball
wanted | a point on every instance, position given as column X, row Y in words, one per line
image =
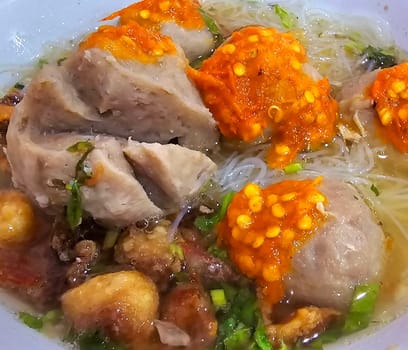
column 310, row 240
column 347, row 251
column 122, row 304
column 16, row 218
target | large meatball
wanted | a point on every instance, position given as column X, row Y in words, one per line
column 122, row 304
column 347, row 251
column 309, row 240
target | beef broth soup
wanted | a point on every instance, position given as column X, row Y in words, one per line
column 214, row 174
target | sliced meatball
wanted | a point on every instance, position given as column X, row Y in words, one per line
column 43, row 168
column 347, row 251
column 149, row 102
column 173, row 174
column 149, row 252
column 190, row 309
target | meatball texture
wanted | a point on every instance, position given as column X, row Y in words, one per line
column 347, row 251
column 16, row 218
column 122, row 304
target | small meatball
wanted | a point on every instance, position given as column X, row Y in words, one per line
column 149, row 253
column 16, row 218
column 348, row 250
column 190, row 309
column 256, row 82
column 304, row 323
column 123, row 305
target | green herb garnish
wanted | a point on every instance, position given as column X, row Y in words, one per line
column 288, row 20
column 293, row 168
column 218, row 252
column 212, row 27
column 82, row 173
column 218, row 298
column 42, row 62
column 380, row 58
column 31, row 321
column 375, row 190
column 177, row 250
column 357, row 318
column 38, row 322
column 362, row 308
column 52, row 316
column 206, row 224
column 110, row 239
column 96, row 341
column 19, row 86
column 240, row 324
column 60, row 60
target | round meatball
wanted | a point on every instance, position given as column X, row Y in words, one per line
column 347, row 251
column 123, row 305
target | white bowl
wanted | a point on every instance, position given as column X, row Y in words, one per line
column 27, row 26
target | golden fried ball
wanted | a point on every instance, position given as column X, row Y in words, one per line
column 16, row 218
column 121, row 304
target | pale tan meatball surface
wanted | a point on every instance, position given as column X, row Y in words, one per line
column 122, row 304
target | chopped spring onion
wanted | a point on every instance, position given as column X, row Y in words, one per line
column 240, row 324
column 362, row 308
column 218, row 298
column 261, row 339
column 31, row 321
column 38, row 322
column 287, row 19
column 19, row 86
column 238, row 339
column 52, row 316
column 62, row 59
column 74, row 205
column 293, row 168
column 375, row 190
column 379, row 58
column 82, row 172
column 212, row 27
column 95, row 341
column 177, row 250
column 218, row 252
column 206, row 224
column 42, row 62
column 358, row 316
column 110, row 239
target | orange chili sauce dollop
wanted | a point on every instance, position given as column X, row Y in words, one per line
column 130, row 42
column 390, row 94
column 152, row 13
column 255, row 81
column 264, row 228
